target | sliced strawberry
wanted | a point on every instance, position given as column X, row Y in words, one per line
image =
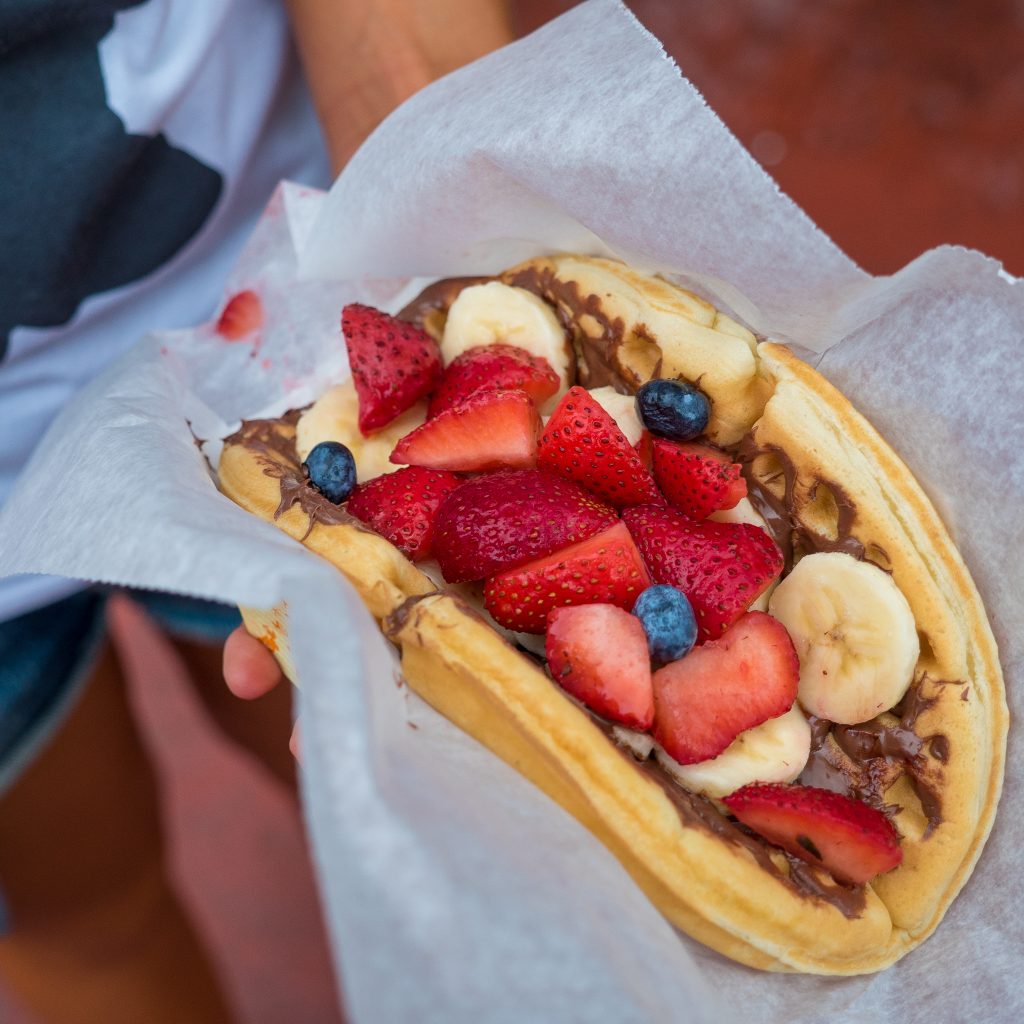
column 644, row 448
column 604, row 569
column 721, row 567
column 598, row 653
column 583, row 443
column 488, row 430
column 402, row 506
column 394, row 364
column 706, row 699
column 242, row 315
column 493, row 523
column 487, row 367
column 851, row 840
column 697, row 479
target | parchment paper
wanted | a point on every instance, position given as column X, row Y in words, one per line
column 454, row 890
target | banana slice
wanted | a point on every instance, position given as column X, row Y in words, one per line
column 744, row 512
column 741, row 512
column 333, row 417
column 774, row 751
column 622, row 409
column 639, row 744
column 486, row 314
column 854, row 633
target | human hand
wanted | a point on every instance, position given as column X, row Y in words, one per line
column 250, row 671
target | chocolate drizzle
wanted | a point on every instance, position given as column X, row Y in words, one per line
column 808, row 879
column 788, row 530
column 697, row 811
column 275, row 450
column 866, row 760
column 428, row 309
column 596, row 358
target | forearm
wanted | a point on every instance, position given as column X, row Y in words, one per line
column 364, row 57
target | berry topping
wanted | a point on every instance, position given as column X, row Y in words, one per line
column 402, row 506
column 496, row 522
column 704, row 701
column 644, row 448
column 697, row 479
column 584, row 443
column 332, row 470
column 488, row 430
column 604, row 569
column 668, row 621
column 851, row 840
column 242, row 315
column 721, row 567
column 394, row 364
column 486, row 367
column 673, row 409
column 598, row 653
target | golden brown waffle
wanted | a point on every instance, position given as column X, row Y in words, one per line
column 813, row 456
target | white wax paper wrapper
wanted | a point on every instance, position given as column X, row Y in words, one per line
column 454, row 890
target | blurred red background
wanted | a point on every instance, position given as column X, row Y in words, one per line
column 896, row 126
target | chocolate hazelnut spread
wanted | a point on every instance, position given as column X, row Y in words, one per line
column 595, row 356
column 275, row 450
column 697, row 811
column 437, row 298
column 793, row 536
column 865, row 760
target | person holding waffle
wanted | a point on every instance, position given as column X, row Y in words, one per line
column 153, row 134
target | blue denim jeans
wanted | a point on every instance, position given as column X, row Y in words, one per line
column 47, row 655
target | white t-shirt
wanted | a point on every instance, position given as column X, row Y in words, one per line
column 147, row 137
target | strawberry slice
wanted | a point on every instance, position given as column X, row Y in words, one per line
column 604, row 569
column 598, row 653
column 697, row 479
column 242, row 315
column 488, row 430
column 402, row 506
column 496, row 522
column 721, row 567
column 487, row 367
column 584, row 443
column 645, row 449
column 852, row 841
column 394, row 364
column 706, row 699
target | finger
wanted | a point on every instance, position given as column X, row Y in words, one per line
column 295, row 744
column 249, row 668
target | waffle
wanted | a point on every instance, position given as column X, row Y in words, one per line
column 829, row 482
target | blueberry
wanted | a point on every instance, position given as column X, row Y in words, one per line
column 673, row 409
column 332, row 470
column 668, row 621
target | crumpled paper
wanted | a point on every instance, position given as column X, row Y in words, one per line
column 454, row 890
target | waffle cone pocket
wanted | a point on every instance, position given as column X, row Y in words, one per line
column 823, row 480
